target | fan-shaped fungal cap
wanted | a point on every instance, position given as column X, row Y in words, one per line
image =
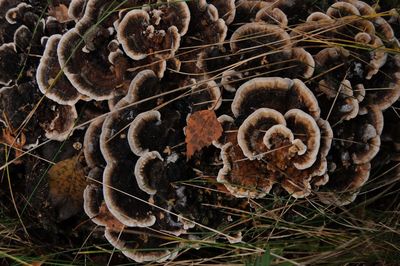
column 16, row 13
column 278, row 130
column 148, row 132
column 144, row 85
column 388, row 78
column 97, row 80
column 62, row 122
column 145, row 166
column 139, row 37
column 140, row 97
column 147, row 247
column 208, row 26
column 22, row 37
column 276, row 93
column 9, row 63
column 91, row 144
column 51, row 80
column 317, row 16
column 227, row 124
column 226, row 9
column 137, row 131
column 206, row 94
column 306, row 129
column 170, row 13
column 367, row 129
column 254, row 125
column 76, row 9
column 243, row 178
column 117, row 176
column 345, row 187
column 94, row 205
column 272, row 16
column 252, row 34
column 341, row 9
column 307, row 61
column 362, row 7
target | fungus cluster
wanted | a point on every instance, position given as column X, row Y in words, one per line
column 303, row 101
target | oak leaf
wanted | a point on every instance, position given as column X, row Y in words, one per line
column 202, row 129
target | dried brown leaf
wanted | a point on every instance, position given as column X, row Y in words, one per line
column 16, row 142
column 202, row 129
column 67, row 182
column 60, row 12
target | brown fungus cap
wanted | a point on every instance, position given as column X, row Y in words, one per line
column 149, row 246
column 9, row 63
column 138, row 130
column 94, row 205
column 306, row 60
column 367, row 136
column 362, row 7
column 341, row 9
column 304, row 128
column 15, row 14
column 90, row 73
column 61, row 123
column 228, row 125
column 148, row 132
column 226, row 9
column 246, row 10
column 118, row 177
column 318, row 16
column 252, row 34
column 119, row 170
column 139, row 37
column 253, row 129
column 51, row 80
column 385, row 85
column 283, row 149
column 146, row 84
column 22, row 37
column 272, row 16
column 91, row 144
column 344, row 184
column 243, row 177
column 276, row 93
column 76, row 9
column 5, row 5
column 144, row 168
column 205, row 95
column 170, row 13
column 208, row 27
column 140, row 97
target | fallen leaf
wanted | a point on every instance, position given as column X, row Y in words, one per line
column 202, row 129
column 67, row 182
column 16, row 143
column 60, row 12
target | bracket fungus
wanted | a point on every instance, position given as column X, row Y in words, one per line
column 155, row 30
column 302, row 105
column 278, row 141
column 293, row 107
